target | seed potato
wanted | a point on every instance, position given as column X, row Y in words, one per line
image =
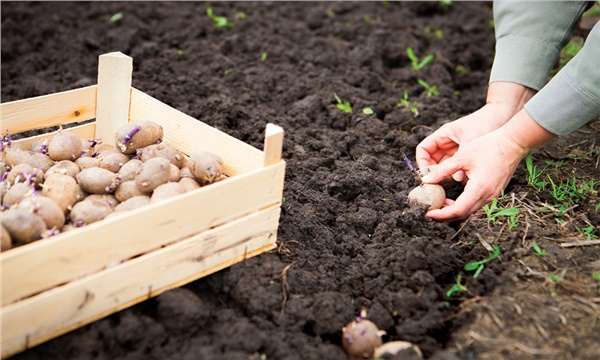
column 6, row 241
column 22, row 225
column 65, row 167
column 136, row 135
column 127, row 190
column 360, row 338
column 431, row 195
column 205, row 166
column 46, row 208
column 63, row 189
column 152, row 173
column 113, row 161
column 65, row 146
column 20, row 173
column 129, row 169
column 40, row 161
column 16, row 193
column 162, row 150
column 89, row 211
column 86, row 162
column 97, row 180
column 167, row 190
column 133, row 203
column 189, row 184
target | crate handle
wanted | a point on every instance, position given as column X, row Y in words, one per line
column 273, row 144
column 113, row 96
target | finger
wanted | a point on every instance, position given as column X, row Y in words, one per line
column 469, row 202
column 441, row 171
column 433, row 148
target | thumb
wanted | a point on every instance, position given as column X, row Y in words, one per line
column 439, row 172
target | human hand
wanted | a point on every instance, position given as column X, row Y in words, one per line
column 488, row 162
column 503, row 101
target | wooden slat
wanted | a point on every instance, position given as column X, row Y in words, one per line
column 186, row 133
column 48, row 110
column 56, row 260
column 86, row 131
column 114, row 94
column 62, row 309
column 273, row 144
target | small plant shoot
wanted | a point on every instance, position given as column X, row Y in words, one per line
column 478, row 266
column 218, row 21
column 430, row 90
column 456, row 288
column 343, row 105
column 417, row 64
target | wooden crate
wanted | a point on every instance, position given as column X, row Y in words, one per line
column 55, row 285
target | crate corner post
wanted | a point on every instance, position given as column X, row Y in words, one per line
column 273, row 146
column 113, row 96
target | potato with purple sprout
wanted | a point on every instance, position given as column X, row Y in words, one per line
column 136, row 135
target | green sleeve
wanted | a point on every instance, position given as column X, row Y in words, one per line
column 529, row 37
column 572, row 98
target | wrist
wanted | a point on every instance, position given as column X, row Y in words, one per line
column 508, row 97
column 525, row 133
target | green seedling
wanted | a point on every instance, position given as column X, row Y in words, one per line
column 406, row 103
column 589, row 232
column 596, row 276
column 430, row 90
column 538, row 251
column 445, row 4
column 366, row 18
column 493, row 212
column 533, row 174
column 556, row 164
column 240, row 15
column 478, row 266
column 368, row 111
column 570, row 191
column 330, row 13
column 218, row 21
column 417, row 64
column 263, row 56
column 343, row 105
column 457, row 288
column 179, row 52
column 491, row 25
column 116, row 17
column 459, row 69
column 513, row 221
column 438, row 33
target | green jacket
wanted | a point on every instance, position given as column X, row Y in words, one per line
column 529, row 38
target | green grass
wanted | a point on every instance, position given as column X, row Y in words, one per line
column 478, row 266
column 494, row 212
column 343, row 105
column 430, row 90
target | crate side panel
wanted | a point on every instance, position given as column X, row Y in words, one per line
column 85, row 131
column 59, row 310
column 56, row 260
column 49, row 110
column 187, row 134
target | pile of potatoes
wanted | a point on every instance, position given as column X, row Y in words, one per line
column 68, row 182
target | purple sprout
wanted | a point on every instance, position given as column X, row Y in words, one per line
column 130, row 134
column 4, row 176
column 44, row 147
column 409, row 164
column 93, row 143
column 8, row 139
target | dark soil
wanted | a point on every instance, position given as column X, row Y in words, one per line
column 347, row 238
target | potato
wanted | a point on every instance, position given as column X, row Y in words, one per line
column 86, row 162
column 65, row 146
column 108, row 199
column 113, row 161
column 39, row 146
column 127, row 190
column 186, row 173
column 89, row 211
column 162, row 150
column 129, row 169
column 205, row 166
column 5, row 241
column 22, row 225
column 63, row 189
column 432, row 195
column 97, row 180
column 16, row 193
column 133, row 203
column 88, row 147
column 24, row 171
column 166, row 191
column 46, row 208
column 175, row 174
column 36, row 160
column 4, row 186
column 65, row 167
column 360, row 338
column 189, row 184
column 136, row 135
column 153, row 173
column 392, row 348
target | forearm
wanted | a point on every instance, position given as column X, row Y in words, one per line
column 525, row 133
column 508, row 97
